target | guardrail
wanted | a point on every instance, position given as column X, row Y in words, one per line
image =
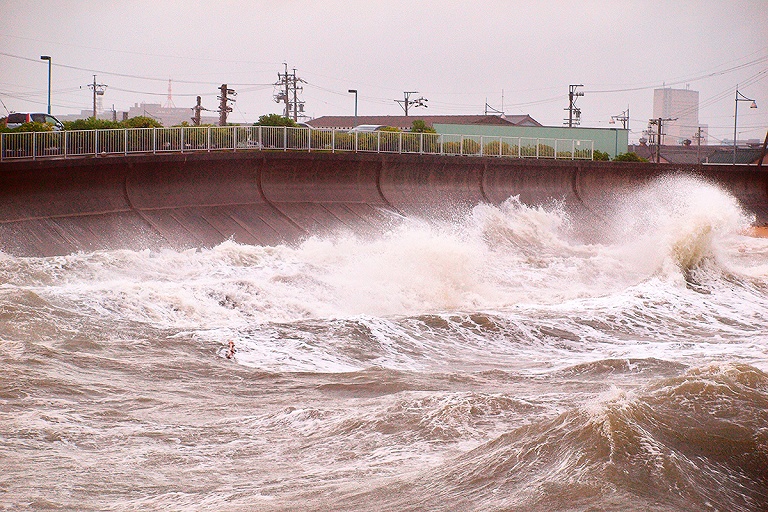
column 182, row 139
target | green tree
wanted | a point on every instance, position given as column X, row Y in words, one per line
column 600, row 155
column 141, row 122
column 34, row 127
column 419, row 126
column 90, row 124
column 629, row 157
column 275, row 120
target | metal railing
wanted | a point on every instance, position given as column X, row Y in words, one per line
column 183, row 139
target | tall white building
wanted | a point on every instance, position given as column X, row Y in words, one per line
column 681, row 106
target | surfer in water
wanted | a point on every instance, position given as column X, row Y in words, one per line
column 231, row 351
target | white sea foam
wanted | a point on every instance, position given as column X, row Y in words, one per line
column 515, row 261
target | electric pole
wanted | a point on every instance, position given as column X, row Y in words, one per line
column 288, row 94
column 407, row 101
column 574, row 113
column 659, row 123
column 98, row 89
column 224, row 107
column 197, row 109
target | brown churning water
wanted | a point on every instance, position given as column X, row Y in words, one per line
column 507, row 356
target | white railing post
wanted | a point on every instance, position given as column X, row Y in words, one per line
column 34, row 146
column 181, row 128
column 154, row 140
column 333, row 140
column 125, row 141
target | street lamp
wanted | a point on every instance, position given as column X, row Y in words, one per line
column 48, row 58
column 739, row 97
column 354, row 91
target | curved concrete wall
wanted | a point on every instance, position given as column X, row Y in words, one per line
column 181, row 201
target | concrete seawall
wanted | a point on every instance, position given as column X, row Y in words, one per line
column 55, row 207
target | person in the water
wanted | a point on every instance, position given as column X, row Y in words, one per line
column 231, row 351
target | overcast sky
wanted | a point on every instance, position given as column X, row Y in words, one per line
column 519, row 56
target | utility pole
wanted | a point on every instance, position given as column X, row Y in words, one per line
column 197, row 109
column 98, row 89
column 698, row 136
column 289, row 94
column 407, row 101
column 623, row 117
column 224, row 107
column 659, row 123
column 574, row 113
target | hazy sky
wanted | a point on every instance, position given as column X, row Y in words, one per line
column 518, row 55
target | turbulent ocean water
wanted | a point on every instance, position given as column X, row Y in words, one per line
column 498, row 361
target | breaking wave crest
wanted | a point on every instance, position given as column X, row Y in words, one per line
column 693, row 442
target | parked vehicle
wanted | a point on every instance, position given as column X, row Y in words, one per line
column 16, row 119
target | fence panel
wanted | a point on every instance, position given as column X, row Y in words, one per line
column 322, row 140
column 110, row 141
column 583, row 149
column 140, row 140
column 18, row 145
column 195, row 138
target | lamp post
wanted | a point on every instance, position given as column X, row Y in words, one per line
column 48, row 58
column 354, row 91
column 739, row 97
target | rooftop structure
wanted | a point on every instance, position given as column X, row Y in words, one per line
column 406, row 122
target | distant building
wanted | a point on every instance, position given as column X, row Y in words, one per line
column 680, row 109
column 692, row 154
column 405, row 123
column 106, row 115
column 168, row 116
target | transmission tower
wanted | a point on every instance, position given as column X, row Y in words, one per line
column 169, row 100
column 574, row 113
column 224, row 107
column 288, row 93
column 407, row 101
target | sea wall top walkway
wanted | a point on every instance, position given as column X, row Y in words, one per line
column 130, row 141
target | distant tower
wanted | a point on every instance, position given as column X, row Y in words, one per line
column 681, row 106
column 169, row 101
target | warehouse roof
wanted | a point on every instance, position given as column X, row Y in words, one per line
column 405, row 123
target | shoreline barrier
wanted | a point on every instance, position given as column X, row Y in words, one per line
column 180, row 201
